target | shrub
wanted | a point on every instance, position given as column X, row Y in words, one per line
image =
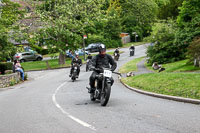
column 5, row 66
column 163, row 49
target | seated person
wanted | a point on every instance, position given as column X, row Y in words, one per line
column 18, row 67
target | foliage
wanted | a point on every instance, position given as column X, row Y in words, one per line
column 168, row 8
column 189, row 24
column 137, row 16
column 194, row 50
column 67, row 21
column 5, row 66
column 10, row 14
column 162, row 49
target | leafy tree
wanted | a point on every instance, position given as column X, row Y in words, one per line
column 194, row 51
column 162, row 49
column 9, row 15
column 188, row 22
column 168, row 8
column 67, row 21
column 137, row 16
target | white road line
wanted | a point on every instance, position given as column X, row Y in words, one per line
column 66, row 113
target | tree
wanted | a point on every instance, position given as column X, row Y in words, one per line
column 138, row 15
column 194, row 51
column 163, row 50
column 168, row 8
column 66, row 22
column 188, row 22
column 10, row 14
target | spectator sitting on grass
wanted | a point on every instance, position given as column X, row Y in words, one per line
column 155, row 66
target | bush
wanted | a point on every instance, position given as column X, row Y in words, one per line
column 108, row 42
column 163, row 49
column 5, row 66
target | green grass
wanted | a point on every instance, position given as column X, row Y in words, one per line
column 176, row 84
column 41, row 65
column 134, row 43
column 176, row 80
column 130, row 66
column 179, row 66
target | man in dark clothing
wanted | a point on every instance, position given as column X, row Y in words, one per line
column 132, row 47
column 89, row 57
column 132, row 50
column 102, row 60
column 116, row 51
column 78, row 61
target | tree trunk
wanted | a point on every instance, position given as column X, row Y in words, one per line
column 61, row 60
column 197, row 62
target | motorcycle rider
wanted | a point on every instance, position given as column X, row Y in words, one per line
column 79, row 62
column 102, row 60
column 132, row 48
column 89, row 57
column 116, row 51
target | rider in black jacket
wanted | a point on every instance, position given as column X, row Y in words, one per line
column 79, row 62
column 102, row 60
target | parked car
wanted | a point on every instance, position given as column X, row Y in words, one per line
column 93, row 47
column 28, row 56
column 80, row 52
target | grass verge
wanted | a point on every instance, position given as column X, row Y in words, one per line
column 132, row 43
column 175, row 84
column 130, row 66
column 179, row 79
column 41, row 65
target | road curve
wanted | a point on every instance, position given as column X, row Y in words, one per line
column 51, row 103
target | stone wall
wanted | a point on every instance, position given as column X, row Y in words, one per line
column 9, row 79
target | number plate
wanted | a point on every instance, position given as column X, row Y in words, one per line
column 107, row 73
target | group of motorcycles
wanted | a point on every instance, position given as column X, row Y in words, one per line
column 103, row 80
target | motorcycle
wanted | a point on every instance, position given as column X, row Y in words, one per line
column 116, row 56
column 88, row 62
column 103, row 83
column 74, row 72
column 132, row 52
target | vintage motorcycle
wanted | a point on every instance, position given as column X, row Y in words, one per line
column 88, row 62
column 132, row 52
column 103, row 83
column 74, row 72
column 116, row 56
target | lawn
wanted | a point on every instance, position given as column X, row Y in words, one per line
column 179, row 66
column 133, row 43
column 130, row 66
column 42, row 65
column 179, row 79
column 176, row 84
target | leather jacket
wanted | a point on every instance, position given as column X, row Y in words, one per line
column 104, row 62
column 78, row 61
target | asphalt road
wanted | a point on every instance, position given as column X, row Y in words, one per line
column 51, row 103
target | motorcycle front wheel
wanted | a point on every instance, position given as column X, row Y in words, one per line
column 105, row 95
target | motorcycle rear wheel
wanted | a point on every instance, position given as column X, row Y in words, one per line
column 105, row 95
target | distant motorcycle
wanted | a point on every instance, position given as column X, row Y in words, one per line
column 116, row 56
column 102, row 86
column 88, row 62
column 132, row 52
column 74, row 72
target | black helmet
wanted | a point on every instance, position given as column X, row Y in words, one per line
column 102, row 47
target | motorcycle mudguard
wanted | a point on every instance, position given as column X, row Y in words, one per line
column 108, row 80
